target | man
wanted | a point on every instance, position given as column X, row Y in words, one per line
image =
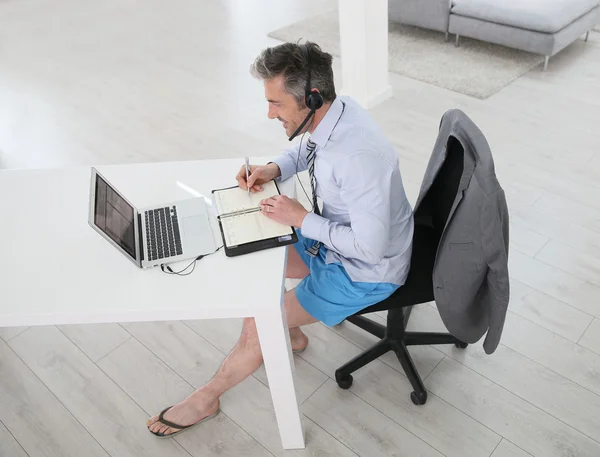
column 354, row 253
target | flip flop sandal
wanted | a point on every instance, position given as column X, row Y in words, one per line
column 180, row 428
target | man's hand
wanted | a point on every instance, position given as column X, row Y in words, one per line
column 284, row 210
column 258, row 175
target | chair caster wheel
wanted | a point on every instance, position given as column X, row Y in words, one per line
column 461, row 345
column 418, row 398
column 345, row 382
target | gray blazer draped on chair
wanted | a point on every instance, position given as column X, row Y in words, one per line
column 470, row 275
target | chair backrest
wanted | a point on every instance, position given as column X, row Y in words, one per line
column 430, row 219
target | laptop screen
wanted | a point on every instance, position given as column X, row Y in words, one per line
column 114, row 216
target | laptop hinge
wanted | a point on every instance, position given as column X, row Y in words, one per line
column 141, row 238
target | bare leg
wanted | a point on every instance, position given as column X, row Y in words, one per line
column 295, row 268
column 244, row 359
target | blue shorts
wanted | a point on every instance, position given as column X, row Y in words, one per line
column 328, row 294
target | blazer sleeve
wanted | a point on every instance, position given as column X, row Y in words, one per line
column 495, row 235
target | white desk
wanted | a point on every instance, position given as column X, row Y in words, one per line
column 56, row 269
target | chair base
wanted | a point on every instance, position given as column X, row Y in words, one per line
column 394, row 338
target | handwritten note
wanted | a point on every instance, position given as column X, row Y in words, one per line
column 250, row 227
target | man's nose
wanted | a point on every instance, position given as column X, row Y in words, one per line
column 272, row 114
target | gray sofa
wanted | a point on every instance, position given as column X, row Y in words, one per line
column 428, row 14
column 540, row 26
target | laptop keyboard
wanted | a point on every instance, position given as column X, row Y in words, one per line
column 162, row 233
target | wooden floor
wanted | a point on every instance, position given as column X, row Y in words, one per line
column 120, row 81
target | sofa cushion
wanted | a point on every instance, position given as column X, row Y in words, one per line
column 547, row 16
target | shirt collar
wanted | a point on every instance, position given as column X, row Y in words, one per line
column 323, row 131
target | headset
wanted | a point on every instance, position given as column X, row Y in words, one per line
column 312, row 98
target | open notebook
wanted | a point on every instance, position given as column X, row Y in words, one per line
column 243, row 227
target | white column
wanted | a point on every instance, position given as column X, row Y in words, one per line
column 364, row 49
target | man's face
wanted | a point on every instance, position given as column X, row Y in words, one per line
column 283, row 106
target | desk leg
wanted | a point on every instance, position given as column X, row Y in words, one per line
column 277, row 353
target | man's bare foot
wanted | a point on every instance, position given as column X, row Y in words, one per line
column 188, row 412
column 299, row 340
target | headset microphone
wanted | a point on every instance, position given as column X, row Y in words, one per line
column 299, row 129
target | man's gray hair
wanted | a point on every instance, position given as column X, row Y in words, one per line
column 288, row 60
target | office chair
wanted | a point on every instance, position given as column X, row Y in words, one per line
column 429, row 221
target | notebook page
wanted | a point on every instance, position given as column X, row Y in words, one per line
column 236, row 199
column 250, row 227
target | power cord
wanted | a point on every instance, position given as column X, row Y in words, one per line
column 167, row 269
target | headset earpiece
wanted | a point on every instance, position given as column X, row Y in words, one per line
column 312, row 98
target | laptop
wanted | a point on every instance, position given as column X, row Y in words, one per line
column 151, row 236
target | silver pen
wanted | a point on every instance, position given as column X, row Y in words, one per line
column 247, row 173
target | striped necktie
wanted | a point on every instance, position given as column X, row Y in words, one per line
column 310, row 161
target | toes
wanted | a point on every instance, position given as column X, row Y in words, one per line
column 160, row 429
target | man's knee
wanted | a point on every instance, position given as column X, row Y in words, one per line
column 296, row 314
column 295, row 268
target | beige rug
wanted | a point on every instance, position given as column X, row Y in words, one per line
column 475, row 68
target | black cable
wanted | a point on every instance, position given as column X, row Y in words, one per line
column 300, row 150
column 298, row 160
column 193, row 262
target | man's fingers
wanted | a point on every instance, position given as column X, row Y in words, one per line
column 280, row 199
column 241, row 179
column 242, row 184
column 252, row 179
column 267, row 210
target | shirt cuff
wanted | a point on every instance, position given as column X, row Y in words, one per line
column 312, row 225
column 286, row 166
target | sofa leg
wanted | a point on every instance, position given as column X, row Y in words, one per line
column 546, row 63
column 587, row 35
column 457, row 43
column 448, row 37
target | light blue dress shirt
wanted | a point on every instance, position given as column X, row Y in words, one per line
column 367, row 221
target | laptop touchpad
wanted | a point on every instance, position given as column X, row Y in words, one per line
column 198, row 234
